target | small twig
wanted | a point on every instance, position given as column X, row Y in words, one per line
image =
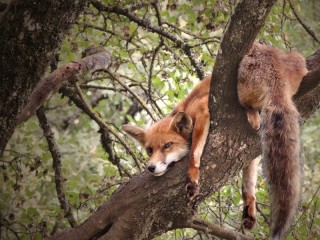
column 156, row 50
column 55, row 227
column 262, row 214
column 132, row 111
column 56, row 157
column 313, row 215
column 205, row 42
column 143, row 104
column 217, row 39
column 104, row 29
column 220, row 207
column 95, row 116
column 9, row 228
column 106, row 143
column 155, row 5
column 303, row 24
column 305, row 210
column 213, row 229
column 88, row 86
column 147, row 25
column 283, row 20
column 176, row 56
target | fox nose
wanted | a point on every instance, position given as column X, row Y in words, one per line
column 151, row 168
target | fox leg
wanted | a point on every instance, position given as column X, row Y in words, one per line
column 249, row 180
column 199, row 137
column 254, row 118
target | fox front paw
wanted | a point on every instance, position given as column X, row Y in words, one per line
column 248, row 219
column 192, row 189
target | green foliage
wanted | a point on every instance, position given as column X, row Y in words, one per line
column 161, row 74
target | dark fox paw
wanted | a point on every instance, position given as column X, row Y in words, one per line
column 192, row 189
column 248, row 223
column 248, row 220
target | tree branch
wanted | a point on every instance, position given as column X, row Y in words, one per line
column 155, row 52
column 158, row 204
column 308, row 94
column 303, row 24
column 245, row 23
column 309, row 82
column 95, row 116
column 136, row 96
column 157, row 29
column 70, row 72
column 4, row 224
column 150, row 200
column 56, row 163
column 213, row 229
column 106, row 143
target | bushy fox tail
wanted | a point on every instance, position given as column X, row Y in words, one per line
column 280, row 134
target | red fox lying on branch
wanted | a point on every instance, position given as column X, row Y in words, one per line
column 267, row 80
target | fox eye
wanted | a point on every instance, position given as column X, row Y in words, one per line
column 167, row 145
column 149, row 151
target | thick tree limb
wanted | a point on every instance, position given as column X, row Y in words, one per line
column 244, row 25
column 70, row 72
column 310, row 82
column 147, row 206
column 313, row 61
column 307, row 98
column 158, row 204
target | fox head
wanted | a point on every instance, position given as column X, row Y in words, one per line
column 166, row 142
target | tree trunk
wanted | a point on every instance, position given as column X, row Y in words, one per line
column 146, row 206
column 31, row 33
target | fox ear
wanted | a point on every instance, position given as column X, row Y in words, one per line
column 182, row 123
column 137, row 133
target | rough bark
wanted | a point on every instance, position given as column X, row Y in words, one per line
column 143, row 208
column 307, row 98
column 147, row 206
column 31, row 33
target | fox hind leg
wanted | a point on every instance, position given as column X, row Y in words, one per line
column 249, row 180
column 254, row 118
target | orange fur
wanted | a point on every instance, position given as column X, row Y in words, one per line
column 267, row 80
column 188, row 120
column 249, row 180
